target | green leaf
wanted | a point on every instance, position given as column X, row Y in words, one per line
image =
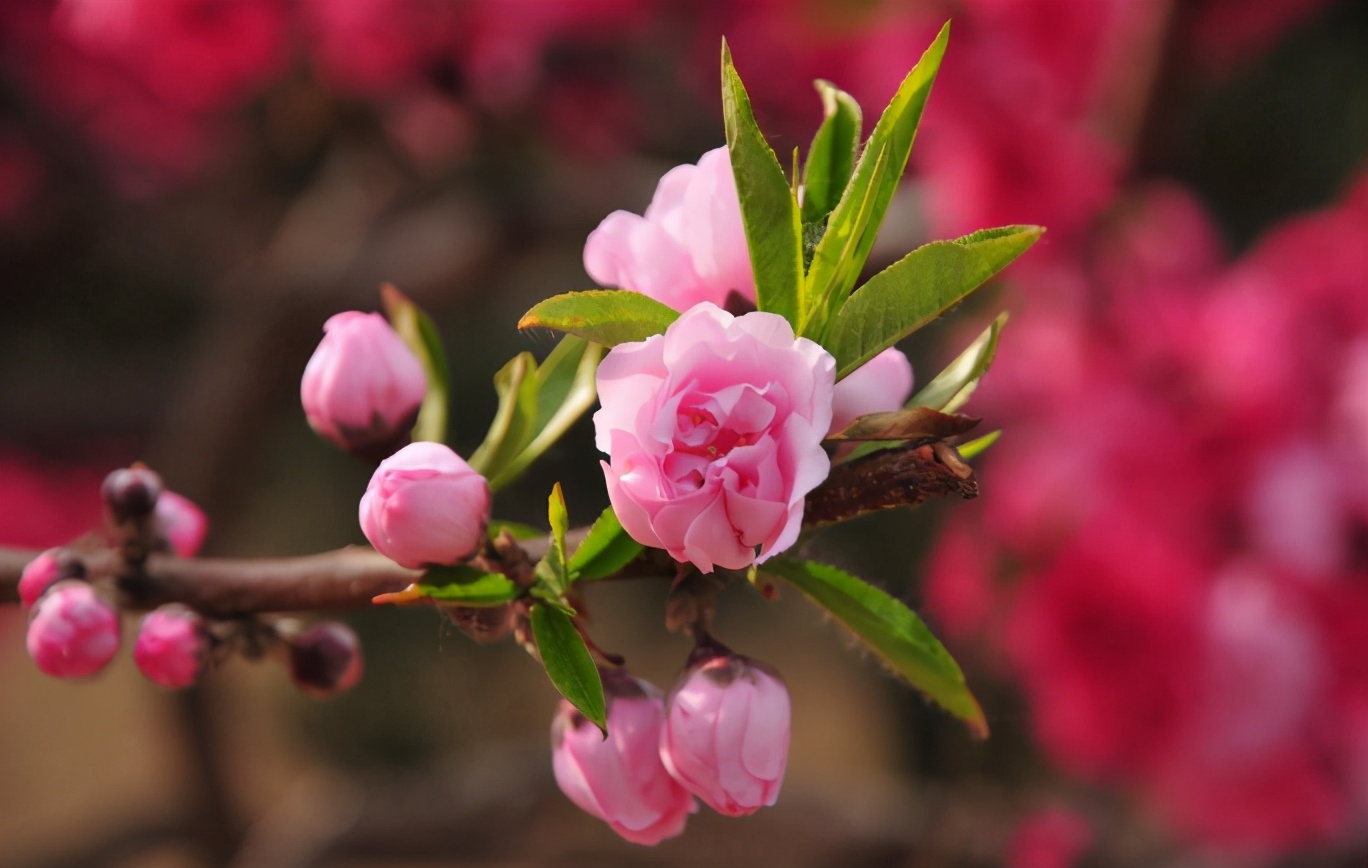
column 552, row 576
column 952, row 387
column 841, row 254
column 604, row 316
column 604, row 551
column 421, row 336
column 568, row 662
column 467, row 586
column 915, row 290
column 565, row 389
column 512, row 427
column 891, row 630
column 910, row 423
column 976, row 447
column 769, row 209
column 831, row 158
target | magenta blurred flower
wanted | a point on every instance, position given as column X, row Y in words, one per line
column 72, row 633
column 690, row 246
column 39, row 574
column 620, row 779
column 425, row 506
column 881, row 384
column 182, row 523
column 363, row 387
column 1048, row 838
column 714, row 431
column 172, row 647
column 726, row 734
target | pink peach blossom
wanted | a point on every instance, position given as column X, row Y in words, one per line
column 689, row 247
column 425, row 506
column 73, row 633
column 172, row 647
column 726, row 734
column 182, row 523
column 714, row 431
column 881, row 384
column 621, row 779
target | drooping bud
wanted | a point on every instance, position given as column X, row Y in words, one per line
column 425, row 506
column 325, row 659
column 182, row 523
column 173, row 647
column 363, row 387
column 620, row 779
column 73, row 633
column 46, row 570
column 726, row 733
column 131, row 492
column 484, row 624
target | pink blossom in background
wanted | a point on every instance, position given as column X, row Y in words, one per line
column 689, row 247
column 1048, row 838
column 1220, row 34
column 172, row 648
column 182, row 523
column 378, row 47
column 620, row 779
column 72, row 633
column 1185, row 516
column 45, row 503
column 714, row 435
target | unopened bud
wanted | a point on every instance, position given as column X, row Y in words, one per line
column 46, row 570
column 131, row 492
column 182, row 523
column 173, row 647
column 325, row 659
column 425, row 506
column 484, row 624
column 726, row 733
column 73, row 633
column 363, row 387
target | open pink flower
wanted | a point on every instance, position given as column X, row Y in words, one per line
column 620, row 779
column 714, row 431
column 689, row 247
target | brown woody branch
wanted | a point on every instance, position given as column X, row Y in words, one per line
column 349, row 578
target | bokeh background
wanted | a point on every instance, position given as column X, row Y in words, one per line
column 1161, row 596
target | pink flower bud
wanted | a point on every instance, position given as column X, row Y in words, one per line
column 882, row 384
column 363, row 386
column 726, row 734
column 325, row 659
column 172, row 647
column 131, row 492
column 425, row 506
column 73, row 633
column 45, row 570
column 690, row 246
column 182, row 523
column 620, row 779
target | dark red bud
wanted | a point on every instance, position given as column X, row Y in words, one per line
column 131, row 492
column 325, row 659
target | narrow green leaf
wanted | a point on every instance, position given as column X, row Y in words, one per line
column 910, row 423
column 559, row 518
column 565, row 390
column 915, row 290
column 568, row 662
column 769, row 210
column 604, row 551
column 512, row 427
column 604, row 316
column 421, row 336
column 976, row 447
column 891, row 630
column 841, row 254
column 467, row 586
column 551, row 574
column 831, row 158
column 952, row 387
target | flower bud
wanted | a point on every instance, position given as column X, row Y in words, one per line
column 880, row 385
column 363, row 386
column 425, row 506
column 173, row 647
column 726, row 733
column 182, row 523
column 46, row 570
column 325, row 659
column 131, row 492
column 620, row 779
column 73, row 633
